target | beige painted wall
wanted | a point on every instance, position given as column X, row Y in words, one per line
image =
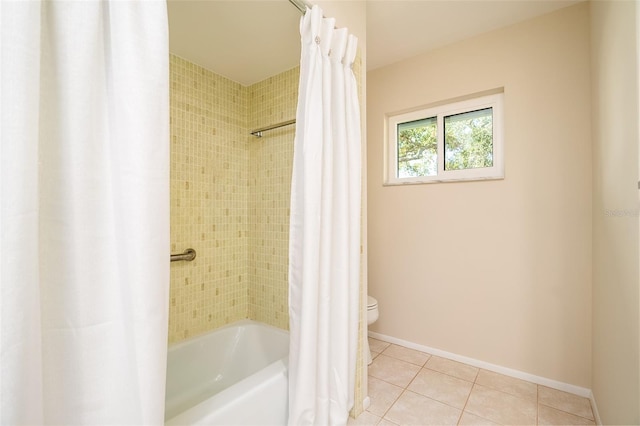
column 616, row 317
column 499, row 271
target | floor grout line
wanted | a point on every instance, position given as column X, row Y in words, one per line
column 567, row 412
column 467, row 400
column 474, row 383
column 431, row 369
column 392, row 404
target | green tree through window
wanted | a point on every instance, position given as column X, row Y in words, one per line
column 449, row 141
column 418, row 148
column 468, row 142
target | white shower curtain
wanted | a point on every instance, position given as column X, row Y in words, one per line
column 84, row 195
column 324, row 247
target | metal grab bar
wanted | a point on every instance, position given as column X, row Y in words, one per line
column 188, row 255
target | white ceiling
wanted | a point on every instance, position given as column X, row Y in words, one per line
column 250, row 40
column 245, row 41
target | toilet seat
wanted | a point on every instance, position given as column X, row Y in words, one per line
column 372, row 303
column 372, row 316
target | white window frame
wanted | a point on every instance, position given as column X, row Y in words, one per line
column 494, row 101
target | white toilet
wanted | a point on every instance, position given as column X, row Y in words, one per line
column 372, row 316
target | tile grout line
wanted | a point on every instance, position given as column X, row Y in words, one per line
column 567, row 412
column 444, row 374
column 405, row 389
column 466, row 402
column 430, row 369
column 474, row 383
column 475, row 379
column 424, row 366
column 469, row 397
column 390, row 406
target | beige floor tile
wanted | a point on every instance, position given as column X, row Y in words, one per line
column 452, row 368
column 385, row 422
column 551, row 416
column 364, row 419
column 414, row 409
column 406, row 354
column 565, row 401
column 501, row 407
column 441, row 387
column 376, row 345
column 469, row 419
column 393, row 370
column 382, row 395
column 507, row 384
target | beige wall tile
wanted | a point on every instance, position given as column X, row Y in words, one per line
column 209, row 177
column 271, row 101
column 229, row 199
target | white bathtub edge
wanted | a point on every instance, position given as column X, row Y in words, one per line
column 213, row 409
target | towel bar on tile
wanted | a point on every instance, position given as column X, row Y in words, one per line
column 258, row 132
column 188, row 255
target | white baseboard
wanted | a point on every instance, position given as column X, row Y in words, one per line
column 577, row 390
column 594, row 407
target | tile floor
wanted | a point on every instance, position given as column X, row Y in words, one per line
column 408, row 387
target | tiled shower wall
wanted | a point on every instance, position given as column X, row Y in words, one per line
column 271, row 101
column 229, row 198
column 209, row 192
column 230, row 202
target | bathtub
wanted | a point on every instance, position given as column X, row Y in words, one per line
column 234, row 375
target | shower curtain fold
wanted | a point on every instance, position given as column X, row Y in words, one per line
column 84, row 196
column 324, row 240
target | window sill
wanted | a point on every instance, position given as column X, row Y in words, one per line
column 430, row 181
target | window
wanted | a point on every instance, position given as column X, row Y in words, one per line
column 452, row 142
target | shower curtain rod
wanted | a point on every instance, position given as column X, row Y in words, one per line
column 301, row 5
column 258, row 132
